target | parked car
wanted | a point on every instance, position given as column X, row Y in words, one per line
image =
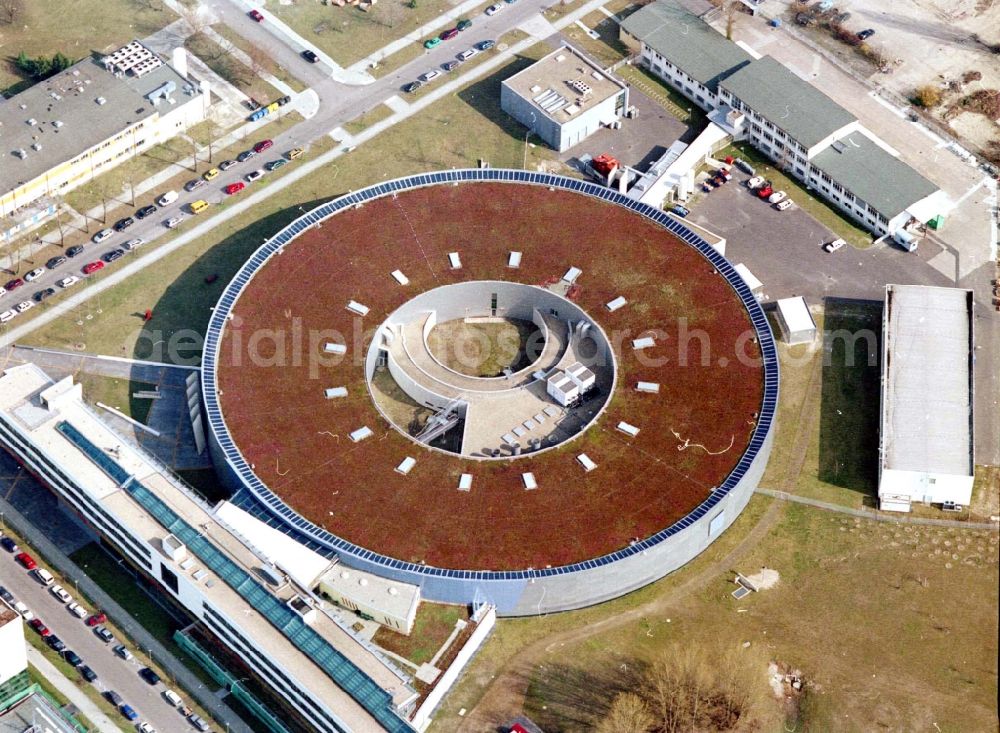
column 256, row 15
column 172, row 697
column 310, row 56
column 59, row 592
column 115, row 254
column 681, row 211
column 198, row 722
column 72, row 657
column 54, row 262
column 67, row 281
column 122, row 224
column 34, row 274
column 77, row 610
column 834, row 245
column 145, row 727
column 24, row 305
column 866, row 34
column 755, row 182
column 211, row 174
column 92, row 267
column 467, row 54
column 43, row 576
column 149, row 675
column 246, row 155
column 235, row 187
column 173, row 222
column 113, row 697
column 22, row 609
column 39, row 627
column 7, row 315
column 463, row 24
column 8, row 544
column 74, row 250
column 198, row 206
column 412, row 87
column 101, row 236
column 429, row 76
column 55, row 642
column 87, row 673
column 494, row 9
column 43, row 294
column 295, row 153
column 166, row 199
column 104, row 635
column 26, row 560
column 783, row 204
column 448, row 34
column 451, row 65
column 6, row 595
column 133, row 244
column 227, row 164
column 275, row 164
column 775, row 197
column 128, row 712
column 485, row 45
column 765, row 191
column 262, row 146
column 13, row 284
column 195, row 184
column 432, row 43
column 255, row 175
column 122, row 652
column 145, row 211
column 97, row 618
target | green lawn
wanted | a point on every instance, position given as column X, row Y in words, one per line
column 369, row 118
column 77, row 29
column 175, row 288
column 431, row 629
column 605, row 50
column 268, row 64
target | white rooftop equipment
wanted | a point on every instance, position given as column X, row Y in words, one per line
column 795, row 321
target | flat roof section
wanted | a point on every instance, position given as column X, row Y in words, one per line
column 564, row 84
column 927, row 380
column 789, row 102
column 68, row 119
column 686, row 41
column 868, row 171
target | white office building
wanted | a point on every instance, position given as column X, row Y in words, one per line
column 927, row 427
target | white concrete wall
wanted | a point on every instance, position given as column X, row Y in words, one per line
column 919, row 487
column 13, row 653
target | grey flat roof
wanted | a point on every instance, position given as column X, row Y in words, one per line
column 787, row 101
column 687, row 41
column 35, row 712
column 85, row 123
column 868, row 171
column 927, row 390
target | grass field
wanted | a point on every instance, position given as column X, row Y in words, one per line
column 269, row 65
column 605, row 50
column 176, row 288
column 481, row 349
column 230, row 68
column 77, row 29
column 367, row 119
column 431, row 629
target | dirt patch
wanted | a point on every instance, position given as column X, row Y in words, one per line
column 485, row 349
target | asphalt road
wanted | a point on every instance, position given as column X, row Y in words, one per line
column 112, row 672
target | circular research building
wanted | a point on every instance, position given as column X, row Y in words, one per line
column 498, row 385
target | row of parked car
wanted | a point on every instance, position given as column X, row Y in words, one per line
column 96, row 622
column 448, row 65
column 765, row 191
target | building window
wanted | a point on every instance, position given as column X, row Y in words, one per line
column 169, row 579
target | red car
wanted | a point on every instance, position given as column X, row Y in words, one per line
column 448, row 34
column 262, row 146
column 14, row 284
column 235, row 187
column 26, row 560
column 37, row 625
column 93, row 267
column 256, row 15
column 765, row 192
column 97, row 618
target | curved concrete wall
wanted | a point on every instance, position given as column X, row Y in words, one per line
column 514, row 592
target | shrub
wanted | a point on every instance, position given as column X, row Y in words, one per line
column 969, row 76
column 928, row 96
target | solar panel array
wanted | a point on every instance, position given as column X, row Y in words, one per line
column 317, row 537
column 364, row 690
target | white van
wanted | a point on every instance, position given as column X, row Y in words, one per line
column 44, row 575
column 166, row 199
column 173, row 698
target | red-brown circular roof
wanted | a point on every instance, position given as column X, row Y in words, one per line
column 692, row 433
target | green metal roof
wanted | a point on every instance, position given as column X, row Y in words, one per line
column 686, row 41
column 787, row 101
column 873, row 175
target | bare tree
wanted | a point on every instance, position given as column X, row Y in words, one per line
column 629, row 713
column 195, row 19
column 11, row 11
column 732, row 9
column 260, row 60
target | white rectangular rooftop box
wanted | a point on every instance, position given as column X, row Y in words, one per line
column 332, row 348
column 628, row 429
column 572, row 274
column 617, row 303
column 455, row 260
column 361, row 433
column 795, row 321
column 646, row 342
column 529, row 480
column 465, row 482
column 399, row 277
column 651, row 387
column 406, row 466
column 748, row 277
column 588, row 465
column 514, row 260
column 334, row 392
column 356, row 307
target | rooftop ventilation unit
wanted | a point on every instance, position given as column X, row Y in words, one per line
column 21, row 153
column 582, row 87
column 101, row 100
column 58, row 123
column 560, row 58
column 838, row 146
column 174, row 548
column 32, row 121
column 272, row 576
column 36, row 146
column 162, row 92
column 303, row 608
